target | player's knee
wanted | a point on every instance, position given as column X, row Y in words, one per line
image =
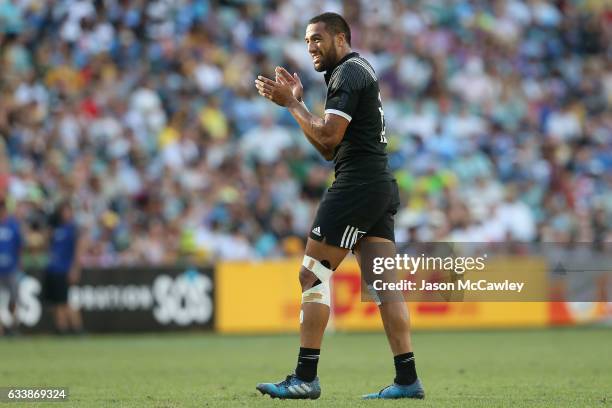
column 307, row 278
column 315, row 281
column 314, row 272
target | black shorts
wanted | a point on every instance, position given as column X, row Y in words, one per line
column 349, row 212
column 56, row 288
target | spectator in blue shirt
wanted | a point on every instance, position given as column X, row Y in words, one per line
column 63, row 269
column 10, row 251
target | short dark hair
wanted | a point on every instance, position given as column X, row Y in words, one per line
column 334, row 23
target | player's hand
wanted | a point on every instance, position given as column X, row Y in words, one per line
column 277, row 92
column 293, row 81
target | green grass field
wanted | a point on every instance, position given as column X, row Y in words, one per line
column 549, row 368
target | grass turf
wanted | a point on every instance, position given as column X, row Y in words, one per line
column 547, row 368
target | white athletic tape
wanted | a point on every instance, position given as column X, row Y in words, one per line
column 316, row 267
column 320, row 293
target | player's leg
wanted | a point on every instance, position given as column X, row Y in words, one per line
column 396, row 322
column 316, row 303
column 394, row 312
column 380, row 242
column 319, row 262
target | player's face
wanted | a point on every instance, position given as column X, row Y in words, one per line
column 321, row 47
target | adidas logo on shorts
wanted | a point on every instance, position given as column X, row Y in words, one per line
column 317, row 231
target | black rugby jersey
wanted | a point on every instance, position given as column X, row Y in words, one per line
column 353, row 93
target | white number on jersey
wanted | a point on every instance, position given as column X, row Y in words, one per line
column 383, row 138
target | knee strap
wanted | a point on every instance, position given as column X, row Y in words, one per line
column 321, row 292
column 316, row 267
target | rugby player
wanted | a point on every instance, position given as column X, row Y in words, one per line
column 359, row 206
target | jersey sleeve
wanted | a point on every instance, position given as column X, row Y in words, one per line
column 344, row 90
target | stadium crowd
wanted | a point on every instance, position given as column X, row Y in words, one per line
column 144, row 115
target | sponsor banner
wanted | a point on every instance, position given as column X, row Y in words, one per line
column 258, row 296
column 124, row 299
column 264, row 297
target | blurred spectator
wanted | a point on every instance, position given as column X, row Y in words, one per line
column 11, row 242
column 63, row 269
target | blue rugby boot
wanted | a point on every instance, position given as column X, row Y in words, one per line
column 291, row 388
column 395, row 391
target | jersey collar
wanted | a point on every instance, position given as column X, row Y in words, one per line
column 329, row 72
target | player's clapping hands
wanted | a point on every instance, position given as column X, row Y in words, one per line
column 286, row 89
column 294, row 82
